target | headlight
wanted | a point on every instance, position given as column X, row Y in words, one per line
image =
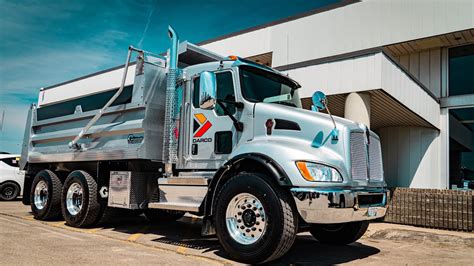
column 318, row 172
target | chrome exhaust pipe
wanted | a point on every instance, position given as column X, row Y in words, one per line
column 170, row 142
column 173, row 60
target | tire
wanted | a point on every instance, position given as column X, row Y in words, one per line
column 339, row 234
column 45, row 196
column 9, row 191
column 263, row 236
column 79, row 201
column 160, row 216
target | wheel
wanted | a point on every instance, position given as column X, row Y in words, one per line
column 339, row 234
column 157, row 215
column 9, row 191
column 79, row 201
column 255, row 221
column 45, row 196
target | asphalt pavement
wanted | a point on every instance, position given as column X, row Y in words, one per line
column 133, row 240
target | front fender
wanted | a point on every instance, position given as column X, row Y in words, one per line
column 286, row 151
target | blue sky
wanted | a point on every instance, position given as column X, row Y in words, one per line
column 44, row 42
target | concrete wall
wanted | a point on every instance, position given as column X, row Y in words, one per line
column 411, row 157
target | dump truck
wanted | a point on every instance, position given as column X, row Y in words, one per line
column 191, row 131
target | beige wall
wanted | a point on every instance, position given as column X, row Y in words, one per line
column 411, row 157
column 426, row 67
column 358, row 26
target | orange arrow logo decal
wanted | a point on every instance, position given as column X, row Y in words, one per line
column 201, row 125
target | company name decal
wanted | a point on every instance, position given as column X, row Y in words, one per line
column 201, row 126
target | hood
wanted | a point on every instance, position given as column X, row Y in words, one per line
column 308, row 133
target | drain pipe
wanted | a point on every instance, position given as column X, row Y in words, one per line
column 170, row 142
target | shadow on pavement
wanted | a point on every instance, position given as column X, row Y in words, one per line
column 186, row 232
column 306, row 250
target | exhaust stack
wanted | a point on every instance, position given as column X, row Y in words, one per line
column 170, row 143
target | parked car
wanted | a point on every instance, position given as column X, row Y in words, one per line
column 11, row 177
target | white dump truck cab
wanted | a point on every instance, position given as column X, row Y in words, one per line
column 216, row 136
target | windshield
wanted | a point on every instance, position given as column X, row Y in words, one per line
column 263, row 86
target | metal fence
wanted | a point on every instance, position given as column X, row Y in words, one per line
column 433, row 208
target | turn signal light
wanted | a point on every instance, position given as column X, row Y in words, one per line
column 233, row 57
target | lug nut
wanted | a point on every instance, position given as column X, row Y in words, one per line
column 253, row 228
column 242, row 227
column 239, row 221
column 247, row 230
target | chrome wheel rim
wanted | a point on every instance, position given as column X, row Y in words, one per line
column 74, row 198
column 40, row 196
column 245, row 219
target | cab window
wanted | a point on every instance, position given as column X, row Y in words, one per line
column 225, row 92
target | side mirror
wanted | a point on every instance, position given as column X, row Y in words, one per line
column 207, row 90
column 319, row 101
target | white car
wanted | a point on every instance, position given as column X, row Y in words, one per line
column 11, row 177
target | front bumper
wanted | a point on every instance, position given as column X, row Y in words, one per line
column 330, row 206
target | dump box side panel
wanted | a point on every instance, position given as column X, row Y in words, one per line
column 130, row 129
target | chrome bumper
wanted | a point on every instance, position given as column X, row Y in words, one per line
column 329, row 206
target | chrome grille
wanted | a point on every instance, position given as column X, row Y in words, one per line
column 375, row 158
column 360, row 171
column 358, row 156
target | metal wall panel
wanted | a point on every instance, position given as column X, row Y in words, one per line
column 364, row 73
column 411, row 156
column 425, row 66
column 354, row 27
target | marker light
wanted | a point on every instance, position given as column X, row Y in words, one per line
column 318, row 172
column 233, row 57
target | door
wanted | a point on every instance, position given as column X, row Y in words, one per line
column 212, row 132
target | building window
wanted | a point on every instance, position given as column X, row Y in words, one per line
column 461, row 148
column 461, row 67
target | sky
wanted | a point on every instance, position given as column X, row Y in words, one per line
column 45, row 42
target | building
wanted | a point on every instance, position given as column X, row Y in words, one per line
column 404, row 67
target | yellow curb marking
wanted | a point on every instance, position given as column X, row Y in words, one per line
column 134, row 237
column 94, row 230
column 181, row 250
column 29, row 217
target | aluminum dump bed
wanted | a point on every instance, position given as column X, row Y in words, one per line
column 131, row 128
